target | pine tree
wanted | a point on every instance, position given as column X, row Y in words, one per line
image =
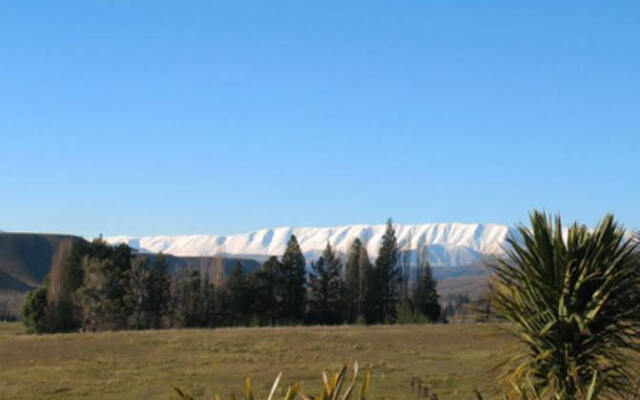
column 425, row 298
column 365, row 289
column 352, row 281
column 222, row 307
column 159, row 293
column 191, row 304
column 326, row 289
column 103, row 296
column 262, row 290
column 34, row 311
column 209, row 298
column 175, row 299
column 291, row 283
column 387, row 278
column 237, row 292
column 92, row 295
column 116, row 309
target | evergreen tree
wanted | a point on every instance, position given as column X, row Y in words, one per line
column 34, row 311
column 222, row 306
column 291, row 283
column 365, row 290
column 209, row 294
column 406, row 313
column 75, row 270
column 159, row 293
column 191, row 304
column 387, row 278
column 237, row 293
column 102, row 297
column 425, row 298
column 175, row 296
column 92, row 296
column 325, row 302
column 116, row 308
column 263, row 290
column 352, row 281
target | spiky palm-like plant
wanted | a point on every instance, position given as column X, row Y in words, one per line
column 292, row 391
column 573, row 298
column 332, row 389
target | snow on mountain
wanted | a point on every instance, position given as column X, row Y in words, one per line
column 451, row 244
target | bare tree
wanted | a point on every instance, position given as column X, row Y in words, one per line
column 137, row 291
column 405, row 270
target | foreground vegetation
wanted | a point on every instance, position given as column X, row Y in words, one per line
column 572, row 298
column 451, row 359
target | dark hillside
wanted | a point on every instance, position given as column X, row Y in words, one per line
column 470, row 279
column 26, row 258
column 9, row 283
column 198, row 263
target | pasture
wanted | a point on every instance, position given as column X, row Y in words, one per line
column 451, row 359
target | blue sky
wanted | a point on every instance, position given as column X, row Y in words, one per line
column 165, row 117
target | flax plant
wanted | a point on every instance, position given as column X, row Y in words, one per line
column 333, row 389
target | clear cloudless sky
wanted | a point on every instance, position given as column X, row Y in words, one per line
column 176, row 117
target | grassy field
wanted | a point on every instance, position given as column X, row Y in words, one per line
column 452, row 359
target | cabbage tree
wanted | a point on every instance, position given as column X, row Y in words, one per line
column 572, row 298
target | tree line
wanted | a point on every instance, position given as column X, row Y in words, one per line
column 101, row 287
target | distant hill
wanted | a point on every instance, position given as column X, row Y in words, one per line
column 179, row 263
column 10, row 284
column 470, row 279
column 26, row 259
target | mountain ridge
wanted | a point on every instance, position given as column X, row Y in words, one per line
column 450, row 244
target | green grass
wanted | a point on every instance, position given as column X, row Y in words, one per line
column 451, row 359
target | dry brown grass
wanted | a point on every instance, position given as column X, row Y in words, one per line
column 450, row 359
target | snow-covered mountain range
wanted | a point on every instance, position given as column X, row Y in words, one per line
column 450, row 244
